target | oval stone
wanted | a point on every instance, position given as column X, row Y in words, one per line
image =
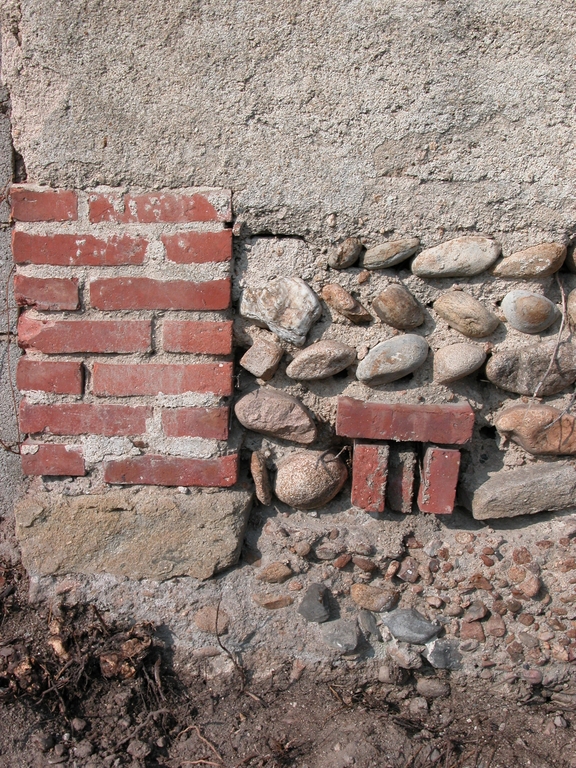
column 466, row 314
column 538, row 261
column 321, row 360
column 523, row 370
column 346, row 254
column 461, row 257
column 276, row 414
column 392, row 359
column 540, row 429
column 456, row 361
column 528, row 312
column 389, row 254
column 397, row 307
column 374, row 598
column 310, row 479
column 339, row 299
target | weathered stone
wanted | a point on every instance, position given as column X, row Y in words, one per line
column 456, row 361
column 345, row 304
column 205, row 620
column 287, row 306
column 495, row 626
column 368, row 625
column 261, row 478
column 263, row 357
column 274, row 413
column 472, row 630
column 444, row 654
column 462, row 257
column 397, row 307
column 571, row 308
column 321, row 360
column 526, row 491
column 389, row 254
column 275, row 573
column 341, row 634
column 346, row 254
column 273, row 602
column 148, row 534
column 373, row 598
column 432, row 688
column 309, row 480
column 313, row 606
column 391, row 360
column 466, row 314
column 531, row 585
column 409, row 626
column 405, row 656
column 408, row 570
column 365, row 564
column 476, row 611
column 537, row 261
column 528, row 312
column 540, row 429
column 523, row 370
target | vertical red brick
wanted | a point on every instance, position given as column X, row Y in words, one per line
column 61, row 378
column 221, row 472
column 198, row 247
column 146, row 293
column 439, row 480
column 401, row 478
column 198, row 337
column 77, row 250
column 209, row 423
column 43, row 204
column 50, row 293
column 53, row 459
column 369, row 475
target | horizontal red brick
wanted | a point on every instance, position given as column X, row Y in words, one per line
column 146, row 293
column 210, row 423
column 51, row 293
column 198, row 247
column 127, row 379
column 53, row 460
column 83, row 419
column 438, row 481
column 447, row 424
column 160, row 207
column 69, row 336
column 61, row 378
column 401, row 478
column 199, row 337
column 81, row 250
column 172, row 470
column 369, row 476
column 43, row 205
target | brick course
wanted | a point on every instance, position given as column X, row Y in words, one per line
column 61, row 378
column 77, row 250
column 52, row 460
column 43, row 204
column 50, row 293
column 145, row 293
column 172, row 470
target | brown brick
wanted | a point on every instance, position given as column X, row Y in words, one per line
column 83, row 419
column 43, row 204
column 69, row 336
column 51, row 293
column 199, row 337
column 221, row 472
column 439, row 480
column 124, row 380
column 210, row 423
column 146, row 293
column 81, row 250
column 369, row 475
column 53, row 460
column 61, row 378
column 198, row 247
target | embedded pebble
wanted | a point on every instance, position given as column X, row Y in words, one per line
column 472, row 630
column 275, row 573
column 205, row 620
column 541, row 429
column 273, row 602
column 274, row 413
column 259, row 472
column 408, row 570
column 346, row 254
column 404, row 655
column 476, row 610
column 523, row 370
column 462, row 257
column 466, row 314
column 321, row 360
column 313, row 606
column 341, row 634
column 345, row 304
column 389, row 254
column 309, row 479
column 392, row 675
column 528, row 312
column 444, row 654
column 368, row 625
column 373, row 598
column 495, row 626
column 432, row 688
column 287, row 306
column 456, row 361
column 263, row 357
column 408, row 625
column 391, row 360
column 530, row 586
column 397, row 307
column 537, row 261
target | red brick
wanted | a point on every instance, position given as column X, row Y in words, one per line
column 401, row 478
column 127, row 379
column 43, row 205
column 51, row 293
column 198, row 247
column 69, row 336
column 145, row 293
column 447, row 424
column 369, row 475
column 61, row 378
column 81, row 250
column 83, row 419
column 210, row 423
column 438, row 481
column 172, row 470
column 208, row 338
column 53, row 460
column 158, row 207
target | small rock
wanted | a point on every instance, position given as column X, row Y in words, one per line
column 275, row 573
column 78, row 724
column 528, row 312
column 342, row 302
column 391, row 360
column 392, row 675
column 341, row 635
column 273, row 602
column 405, row 655
column 472, row 631
column 523, row 370
column 469, row 646
column 443, row 654
column 321, row 360
column 373, row 598
column 495, row 626
column 434, row 601
column 466, row 314
column 456, row 361
column 309, row 479
column 418, row 707
column 462, row 257
column 273, row 413
column 138, row 749
column 368, row 625
column 42, row 741
column 530, row 586
column 538, row 261
column 476, row 611
column 346, row 254
column 313, row 607
column 263, row 357
column 389, row 254
column 397, row 307
column 407, row 625
column 364, row 563
column 532, row 676
column 560, row 722
column 261, row 478
column 327, row 551
column 540, row 429
column 432, row 688
column 83, row 749
column 302, row 548
column 342, row 561
column 528, row 640
column 408, row 570
column 205, row 620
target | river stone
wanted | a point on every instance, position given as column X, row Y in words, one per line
column 397, row 307
column 526, row 491
column 456, row 361
column 462, row 257
column 373, row 598
column 346, row 254
column 444, row 654
column 466, row 314
column 528, row 312
column 313, row 605
column 310, row 479
column 533, row 429
column 522, row 370
column 432, row 688
column 389, row 254
column 392, row 359
column 287, row 306
column 340, row 300
column 538, row 261
column 368, row 625
column 409, row 626
column 276, row 414
column 341, row 634
column 321, row 360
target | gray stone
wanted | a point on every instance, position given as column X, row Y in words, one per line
column 341, row 634
column 409, row 626
column 466, row 314
column 346, row 254
column 339, row 299
column 148, row 534
column 310, row 479
column 540, row 429
column 397, row 307
column 263, row 357
column 391, row 360
column 389, row 254
column 432, row 688
column 321, row 360
column 456, row 361
column 526, row 369
column 276, row 414
column 538, row 261
column 444, row 654
column 313, row 606
column 462, row 257
column 528, row 312
column 368, row 625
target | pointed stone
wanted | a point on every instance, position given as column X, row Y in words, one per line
column 345, row 304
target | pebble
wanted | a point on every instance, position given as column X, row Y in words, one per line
column 528, row 312
column 495, row 626
column 274, row 413
column 389, row 254
column 342, row 561
column 408, row 570
column 83, row 749
column 522, row 370
column 418, row 707
column 365, row 564
column 345, row 304
column 261, row 478
column 444, row 654
column 287, row 306
column 530, row 428
column 476, row 611
column 466, row 314
column 310, row 479
column 462, row 257
column 205, row 620
column 391, row 360
column 391, row 675
column 432, row 688
column 530, row 586
column 456, row 361
column 373, row 598
column 263, row 357
column 472, row 630
column 469, row 646
column 275, row 573
column 346, row 254
column 532, row 676
column 397, row 307
column 404, row 655
column 528, row 640
column 408, row 625
column 368, row 625
column 537, row 261
column 302, row 548
column 138, row 749
column 434, row 601
column 341, row 634
column 313, row 606
column 321, row 360
column 273, row 602
column 78, row 724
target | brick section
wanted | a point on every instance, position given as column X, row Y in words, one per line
column 127, row 379
column 447, row 424
column 69, row 336
column 439, row 480
column 210, row 423
column 207, row 338
column 43, row 205
column 170, row 470
column 401, row 478
column 51, row 293
column 61, row 378
column 53, row 460
column 198, row 247
column 146, row 293
column 158, row 207
column 77, row 250
column 369, row 476
column 83, row 419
